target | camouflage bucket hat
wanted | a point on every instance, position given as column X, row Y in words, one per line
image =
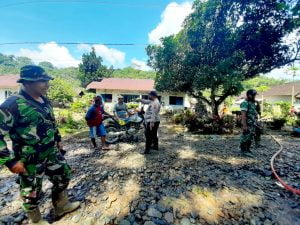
column 33, row 73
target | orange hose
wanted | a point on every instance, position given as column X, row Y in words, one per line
column 285, row 185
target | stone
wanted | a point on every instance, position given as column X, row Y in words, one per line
column 152, row 212
column 159, row 221
column 161, row 208
column 194, row 215
column 124, row 222
column 142, row 206
column 131, row 218
column 169, row 217
column 89, row 221
column 192, row 220
column 149, row 223
column 185, row 221
column 19, row 219
column 76, row 218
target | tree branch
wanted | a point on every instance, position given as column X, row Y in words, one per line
column 201, row 97
column 224, row 96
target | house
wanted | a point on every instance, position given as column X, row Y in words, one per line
column 278, row 93
column 8, row 86
column 282, row 92
column 111, row 88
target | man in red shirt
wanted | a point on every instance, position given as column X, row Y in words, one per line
column 94, row 117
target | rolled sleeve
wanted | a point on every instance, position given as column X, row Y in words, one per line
column 244, row 106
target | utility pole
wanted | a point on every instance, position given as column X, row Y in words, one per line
column 293, row 88
column 294, row 70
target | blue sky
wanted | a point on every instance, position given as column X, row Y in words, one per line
column 93, row 21
column 96, row 21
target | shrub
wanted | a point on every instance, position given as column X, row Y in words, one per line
column 194, row 122
column 297, row 123
column 178, row 118
column 132, row 105
column 61, row 91
column 66, row 120
column 285, row 108
column 83, row 103
column 278, row 123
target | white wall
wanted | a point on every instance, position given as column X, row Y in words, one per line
column 283, row 98
column 2, row 96
column 2, row 93
column 278, row 98
column 164, row 99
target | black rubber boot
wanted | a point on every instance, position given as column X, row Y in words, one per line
column 245, row 149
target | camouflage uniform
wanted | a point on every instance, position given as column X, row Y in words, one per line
column 252, row 113
column 34, row 134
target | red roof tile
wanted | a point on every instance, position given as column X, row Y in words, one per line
column 9, row 81
column 123, row 84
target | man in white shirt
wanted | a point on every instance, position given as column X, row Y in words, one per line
column 152, row 121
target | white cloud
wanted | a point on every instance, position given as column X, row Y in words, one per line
column 59, row 56
column 171, row 21
column 139, row 65
column 110, row 55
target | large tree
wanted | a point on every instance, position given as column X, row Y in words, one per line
column 91, row 68
column 61, row 91
column 12, row 64
column 222, row 44
column 47, row 65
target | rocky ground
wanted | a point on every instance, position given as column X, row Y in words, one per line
column 193, row 179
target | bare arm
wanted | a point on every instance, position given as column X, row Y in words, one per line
column 244, row 120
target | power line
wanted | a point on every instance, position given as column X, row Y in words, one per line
column 107, row 3
column 70, row 43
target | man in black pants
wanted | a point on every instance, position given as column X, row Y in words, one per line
column 152, row 121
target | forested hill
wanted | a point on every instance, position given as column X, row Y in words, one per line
column 10, row 64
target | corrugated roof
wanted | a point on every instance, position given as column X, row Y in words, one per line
column 123, row 84
column 278, row 90
column 282, row 89
column 9, row 81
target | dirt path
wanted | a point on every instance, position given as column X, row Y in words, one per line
column 192, row 180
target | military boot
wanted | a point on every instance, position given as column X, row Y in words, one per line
column 245, row 149
column 36, row 217
column 62, row 205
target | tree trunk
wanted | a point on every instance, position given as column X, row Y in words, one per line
column 215, row 109
column 214, row 104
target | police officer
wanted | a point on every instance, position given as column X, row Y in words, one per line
column 152, row 121
column 250, row 111
column 28, row 120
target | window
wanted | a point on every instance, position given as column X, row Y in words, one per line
column 107, row 97
column 173, row 100
column 146, row 97
column 9, row 93
column 129, row 98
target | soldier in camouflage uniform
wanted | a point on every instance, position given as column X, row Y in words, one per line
column 250, row 112
column 28, row 120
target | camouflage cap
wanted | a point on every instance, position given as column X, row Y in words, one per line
column 33, row 73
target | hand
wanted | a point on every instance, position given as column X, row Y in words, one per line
column 151, row 125
column 60, row 145
column 18, row 168
column 245, row 128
